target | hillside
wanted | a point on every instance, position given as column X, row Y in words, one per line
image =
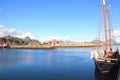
column 14, row 41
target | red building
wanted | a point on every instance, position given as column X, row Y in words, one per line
column 4, row 45
column 54, row 42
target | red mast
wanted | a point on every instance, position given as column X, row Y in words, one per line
column 109, row 28
column 108, row 53
column 105, row 29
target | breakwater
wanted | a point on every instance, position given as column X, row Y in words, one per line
column 48, row 46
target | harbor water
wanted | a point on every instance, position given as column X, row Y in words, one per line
column 55, row 64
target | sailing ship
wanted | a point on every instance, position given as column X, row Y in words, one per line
column 106, row 57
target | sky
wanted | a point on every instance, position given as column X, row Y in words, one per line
column 75, row 20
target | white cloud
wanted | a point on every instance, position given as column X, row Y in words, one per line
column 116, row 34
column 48, row 38
column 4, row 31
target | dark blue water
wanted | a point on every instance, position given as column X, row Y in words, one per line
column 57, row 64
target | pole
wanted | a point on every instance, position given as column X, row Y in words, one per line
column 109, row 30
column 105, row 29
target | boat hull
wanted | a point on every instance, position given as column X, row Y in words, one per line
column 106, row 66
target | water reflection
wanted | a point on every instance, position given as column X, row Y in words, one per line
column 62, row 58
column 58, row 64
column 9, row 57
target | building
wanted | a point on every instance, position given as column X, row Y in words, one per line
column 54, row 42
column 4, row 45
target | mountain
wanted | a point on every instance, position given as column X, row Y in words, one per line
column 18, row 41
column 27, row 39
column 9, row 37
column 67, row 41
column 96, row 41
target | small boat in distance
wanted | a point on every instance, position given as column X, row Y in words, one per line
column 106, row 57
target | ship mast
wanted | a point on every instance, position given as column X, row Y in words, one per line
column 105, row 29
column 110, row 37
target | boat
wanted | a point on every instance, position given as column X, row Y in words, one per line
column 107, row 56
column 118, row 75
column 112, row 75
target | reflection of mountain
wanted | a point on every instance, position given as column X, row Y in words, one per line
column 107, row 76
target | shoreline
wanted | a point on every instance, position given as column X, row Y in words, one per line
column 48, row 47
column 61, row 45
column 53, row 47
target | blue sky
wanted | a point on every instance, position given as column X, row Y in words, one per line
column 67, row 19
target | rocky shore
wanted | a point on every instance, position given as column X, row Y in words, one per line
column 27, row 43
column 80, row 44
column 33, row 47
column 61, row 45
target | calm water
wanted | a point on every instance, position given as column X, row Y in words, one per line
column 58, row 64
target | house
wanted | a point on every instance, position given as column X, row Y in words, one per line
column 54, row 42
column 4, row 45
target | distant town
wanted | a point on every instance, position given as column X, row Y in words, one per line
column 14, row 42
